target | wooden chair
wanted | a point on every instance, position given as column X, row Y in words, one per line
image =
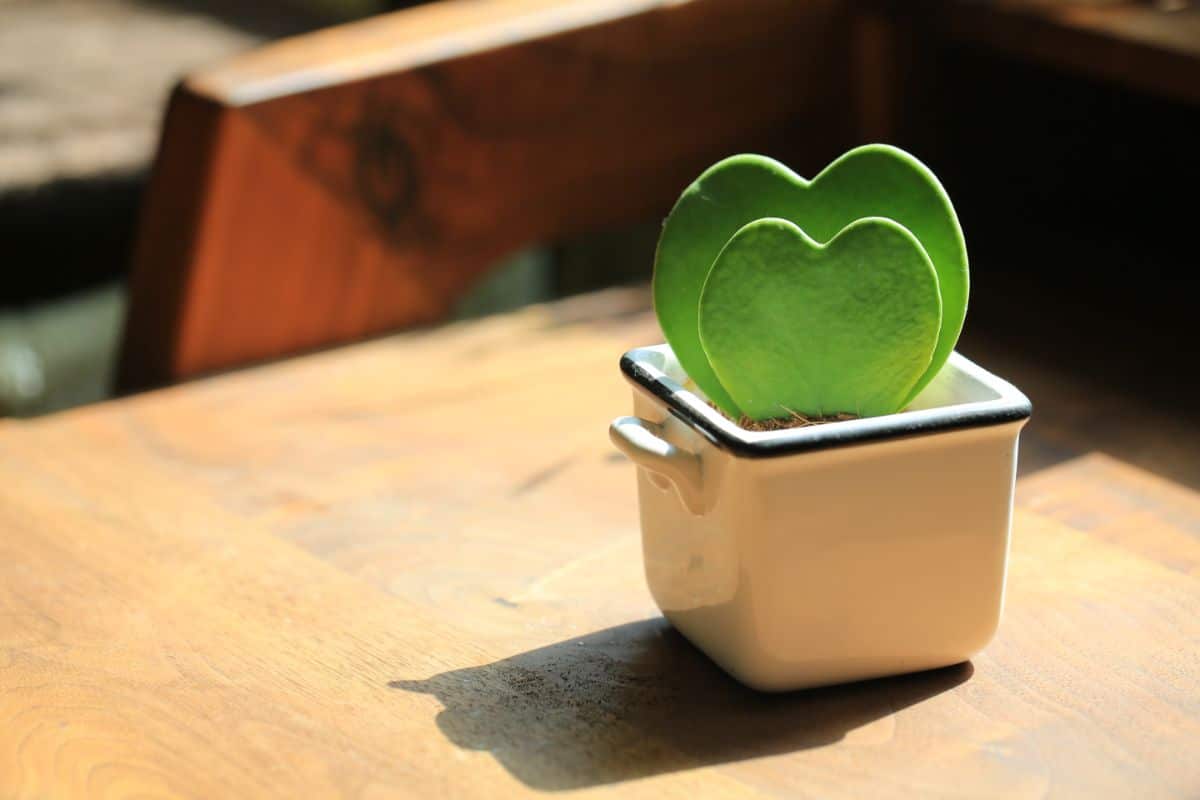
column 356, row 180
column 359, row 179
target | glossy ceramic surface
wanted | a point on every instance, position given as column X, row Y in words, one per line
column 831, row 553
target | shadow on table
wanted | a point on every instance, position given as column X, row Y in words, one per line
column 639, row 700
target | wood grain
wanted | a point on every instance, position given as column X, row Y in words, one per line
column 411, row 568
column 361, row 179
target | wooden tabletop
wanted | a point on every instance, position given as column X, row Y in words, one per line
column 412, row 568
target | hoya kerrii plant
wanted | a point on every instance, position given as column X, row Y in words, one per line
column 785, row 297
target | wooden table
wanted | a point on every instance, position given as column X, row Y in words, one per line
column 411, row 567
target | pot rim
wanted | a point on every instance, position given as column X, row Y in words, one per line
column 1009, row 406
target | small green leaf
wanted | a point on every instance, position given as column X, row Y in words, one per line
column 791, row 325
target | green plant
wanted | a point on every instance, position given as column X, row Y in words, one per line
column 844, row 294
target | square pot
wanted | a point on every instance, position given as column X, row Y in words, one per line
column 830, row 553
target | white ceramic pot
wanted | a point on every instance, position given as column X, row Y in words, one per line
column 830, row 553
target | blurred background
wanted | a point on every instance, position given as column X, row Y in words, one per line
column 1067, row 134
column 83, row 88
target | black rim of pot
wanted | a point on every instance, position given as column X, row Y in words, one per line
column 1010, row 406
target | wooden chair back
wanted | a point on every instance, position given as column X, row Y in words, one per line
column 360, row 179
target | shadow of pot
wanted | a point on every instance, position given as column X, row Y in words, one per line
column 639, row 700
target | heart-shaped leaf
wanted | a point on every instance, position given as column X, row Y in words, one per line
column 792, row 325
column 869, row 181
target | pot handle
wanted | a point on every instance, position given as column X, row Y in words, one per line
column 645, row 444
